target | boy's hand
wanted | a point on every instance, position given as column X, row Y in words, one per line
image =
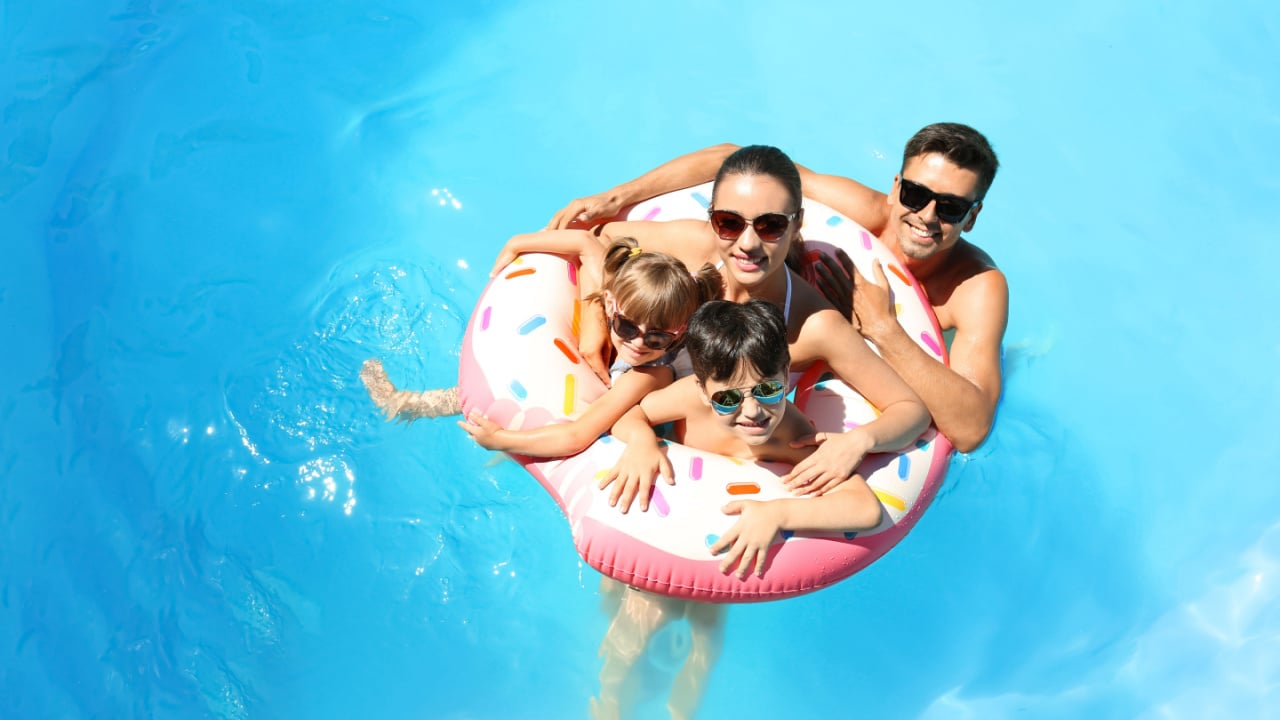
column 634, row 475
column 749, row 539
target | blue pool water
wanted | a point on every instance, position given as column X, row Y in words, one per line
column 214, row 212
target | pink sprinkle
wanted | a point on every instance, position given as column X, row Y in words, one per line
column 931, row 343
column 695, row 468
column 573, row 274
column 866, row 239
column 660, row 503
column 653, row 213
column 849, row 424
column 484, row 318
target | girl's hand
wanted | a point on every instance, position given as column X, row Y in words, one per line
column 749, row 539
column 483, row 430
column 634, row 474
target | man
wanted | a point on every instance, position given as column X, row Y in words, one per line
column 947, row 169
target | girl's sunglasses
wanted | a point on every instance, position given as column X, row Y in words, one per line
column 628, row 331
column 769, row 227
column 950, row 208
column 769, row 392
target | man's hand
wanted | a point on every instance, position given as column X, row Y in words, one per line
column 749, row 539
column 873, row 304
column 586, row 212
column 634, row 474
column 836, row 458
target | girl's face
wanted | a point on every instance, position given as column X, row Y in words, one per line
column 749, row 405
column 761, row 209
column 636, row 342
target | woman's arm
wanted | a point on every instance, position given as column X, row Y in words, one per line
column 563, row 439
column 852, row 506
column 903, row 417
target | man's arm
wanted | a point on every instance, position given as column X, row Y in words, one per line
column 685, row 171
column 863, row 205
column 962, row 398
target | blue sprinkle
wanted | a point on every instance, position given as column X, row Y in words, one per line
column 712, row 539
column 834, row 220
column 518, row 390
column 702, row 200
column 922, row 443
column 827, row 377
column 904, row 467
column 606, row 438
column 532, row 324
column 788, row 534
column 850, row 535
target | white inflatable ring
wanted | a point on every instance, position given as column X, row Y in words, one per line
column 520, row 367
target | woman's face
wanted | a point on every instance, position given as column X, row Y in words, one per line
column 748, row 258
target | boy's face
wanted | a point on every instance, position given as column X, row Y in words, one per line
column 749, row 405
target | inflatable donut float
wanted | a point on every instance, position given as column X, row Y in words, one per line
column 521, row 368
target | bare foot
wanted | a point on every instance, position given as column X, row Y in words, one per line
column 406, row 405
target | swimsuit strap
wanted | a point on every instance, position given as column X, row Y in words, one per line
column 786, row 306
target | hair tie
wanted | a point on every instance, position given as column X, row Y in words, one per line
column 634, row 251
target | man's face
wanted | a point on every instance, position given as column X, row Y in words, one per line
column 921, row 233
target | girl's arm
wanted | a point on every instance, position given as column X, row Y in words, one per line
column 580, row 244
column 563, row 439
column 851, row 506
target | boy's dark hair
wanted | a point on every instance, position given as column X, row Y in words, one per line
column 722, row 334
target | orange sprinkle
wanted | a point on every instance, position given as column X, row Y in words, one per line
column 577, row 318
column 898, row 271
column 563, row 347
column 743, row 488
column 518, row 273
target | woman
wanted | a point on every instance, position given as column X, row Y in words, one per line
column 753, row 221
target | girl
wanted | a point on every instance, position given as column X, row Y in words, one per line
column 647, row 299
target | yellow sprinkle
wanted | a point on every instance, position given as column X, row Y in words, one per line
column 892, row 501
column 569, row 395
column 897, row 309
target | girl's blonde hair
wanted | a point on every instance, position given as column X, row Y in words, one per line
column 655, row 289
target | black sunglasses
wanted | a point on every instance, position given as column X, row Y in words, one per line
column 950, row 208
column 628, row 331
column 769, row 227
column 769, row 392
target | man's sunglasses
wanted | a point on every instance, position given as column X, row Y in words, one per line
column 628, row 331
column 950, row 208
column 769, row 227
column 769, row 392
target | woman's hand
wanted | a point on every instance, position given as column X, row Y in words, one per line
column 836, row 458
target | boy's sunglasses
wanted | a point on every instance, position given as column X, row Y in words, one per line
column 769, row 227
column 950, row 208
column 628, row 331
column 769, row 392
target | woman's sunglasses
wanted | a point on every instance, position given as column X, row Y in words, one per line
column 769, row 227
column 950, row 208
column 769, row 392
column 628, row 331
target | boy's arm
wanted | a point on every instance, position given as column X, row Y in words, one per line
column 851, row 506
column 633, row 476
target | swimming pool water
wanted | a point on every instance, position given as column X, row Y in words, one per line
column 214, row 213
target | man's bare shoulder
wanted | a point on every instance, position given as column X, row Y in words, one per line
column 975, row 293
